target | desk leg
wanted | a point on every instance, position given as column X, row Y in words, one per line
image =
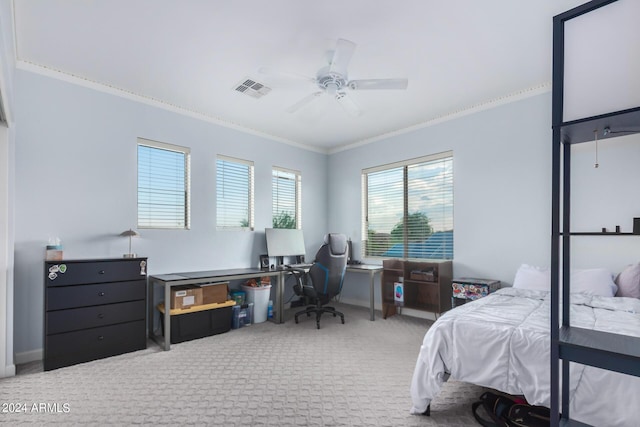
column 371, row 296
column 150, row 308
column 280, row 298
column 167, row 317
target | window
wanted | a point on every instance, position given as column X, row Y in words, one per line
column 407, row 209
column 234, row 193
column 286, row 190
column 163, row 185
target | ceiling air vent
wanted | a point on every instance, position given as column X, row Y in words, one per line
column 252, row 88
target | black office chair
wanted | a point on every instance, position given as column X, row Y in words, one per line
column 324, row 279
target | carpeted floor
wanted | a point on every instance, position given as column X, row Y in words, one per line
column 356, row 374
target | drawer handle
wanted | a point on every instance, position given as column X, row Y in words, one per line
column 100, row 316
column 101, row 272
column 100, row 294
column 100, row 338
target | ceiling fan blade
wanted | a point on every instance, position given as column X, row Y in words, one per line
column 348, row 104
column 342, row 56
column 284, row 75
column 367, row 84
column 304, row 101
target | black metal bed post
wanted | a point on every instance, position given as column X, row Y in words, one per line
column 561, row 162
column 566, row 265
column 556, row 118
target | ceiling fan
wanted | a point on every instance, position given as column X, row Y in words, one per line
column 333, row 80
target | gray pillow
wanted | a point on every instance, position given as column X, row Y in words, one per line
column 628, row 282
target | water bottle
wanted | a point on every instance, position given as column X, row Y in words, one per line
column 270, row 310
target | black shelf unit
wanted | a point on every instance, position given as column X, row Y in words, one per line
column 610, row 351
column 596, row 233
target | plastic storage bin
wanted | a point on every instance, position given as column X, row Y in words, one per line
column 260, row 297
column 199, row 324
column 242, row 315
column 238, row 296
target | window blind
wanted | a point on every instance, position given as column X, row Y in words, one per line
column 234, row 193
column 286, row 190
column 408, row 209
column 163, row 185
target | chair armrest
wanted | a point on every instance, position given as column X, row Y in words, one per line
column 296, row 271
column 301, row 279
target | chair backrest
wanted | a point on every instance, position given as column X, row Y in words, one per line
column 327, row 271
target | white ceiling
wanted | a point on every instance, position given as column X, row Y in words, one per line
column 189, row 55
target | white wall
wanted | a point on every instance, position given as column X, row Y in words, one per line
column 502, row 191
column 75, row 167
column 605, row 197
column 76, row 178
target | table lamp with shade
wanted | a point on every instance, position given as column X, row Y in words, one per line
column 130, row 233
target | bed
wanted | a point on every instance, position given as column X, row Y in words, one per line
column 502, row 342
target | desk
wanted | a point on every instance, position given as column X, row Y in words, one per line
column 372, row 270
column 167, row 281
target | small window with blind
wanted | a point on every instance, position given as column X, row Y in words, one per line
column 163, row 185
column 234, row 194
column 286, row 190
column 407, row 209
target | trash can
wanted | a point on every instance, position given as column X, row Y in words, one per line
column 260, row 297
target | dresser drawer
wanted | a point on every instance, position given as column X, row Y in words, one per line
column 60, row 297
column 90, row 344
column 82, row 272
column 91, row 317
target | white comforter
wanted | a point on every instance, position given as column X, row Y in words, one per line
column 502, row 342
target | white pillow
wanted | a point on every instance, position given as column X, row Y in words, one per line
column 534, row 278
column 593, row 281
column 628, row 282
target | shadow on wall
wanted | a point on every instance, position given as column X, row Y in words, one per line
column 28, row 294
column 258, row 247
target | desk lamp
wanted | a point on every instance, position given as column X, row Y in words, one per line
column 130, row 233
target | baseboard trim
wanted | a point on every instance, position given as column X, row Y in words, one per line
column 405, row 311
column 28, row 356
column 9, row 371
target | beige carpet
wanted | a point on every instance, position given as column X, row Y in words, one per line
column 356, row 374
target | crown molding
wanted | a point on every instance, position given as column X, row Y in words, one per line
column 105, row 88
column 506, row 99
column 112, row 90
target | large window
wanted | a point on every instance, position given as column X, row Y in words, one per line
column 234, row 193
column 408, row 209
column 286, row 191
column 163, row 185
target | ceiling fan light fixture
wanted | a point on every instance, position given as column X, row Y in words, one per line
column 333, row 80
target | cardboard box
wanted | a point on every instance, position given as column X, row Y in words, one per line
column 214, row 292
column 186, row 296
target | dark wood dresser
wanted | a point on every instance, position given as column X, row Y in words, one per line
column 93, row 308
